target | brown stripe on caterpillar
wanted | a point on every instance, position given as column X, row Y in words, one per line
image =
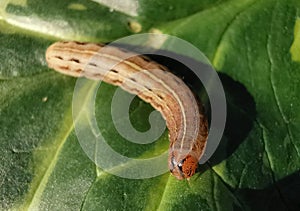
column 152, row 82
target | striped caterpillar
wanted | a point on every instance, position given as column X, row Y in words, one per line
column 185, row 120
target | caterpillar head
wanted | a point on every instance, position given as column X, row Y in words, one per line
column 185, row 168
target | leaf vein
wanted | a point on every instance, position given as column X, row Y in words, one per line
column 274, row 91
column 229, row 24
column 42, row 185
column 163, row 194
column 226, row 185
column 277, row 188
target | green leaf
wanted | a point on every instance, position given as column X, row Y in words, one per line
column 254, row 45
column 171, row 9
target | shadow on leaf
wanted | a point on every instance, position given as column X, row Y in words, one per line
column 282, row 195
column 241, row 114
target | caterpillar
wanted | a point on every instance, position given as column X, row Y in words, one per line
column 150, row 81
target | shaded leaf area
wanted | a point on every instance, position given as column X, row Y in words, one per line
column 283, row 195
column 257, row 163
column 241, row 141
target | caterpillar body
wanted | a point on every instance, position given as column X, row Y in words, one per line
column 153, row 83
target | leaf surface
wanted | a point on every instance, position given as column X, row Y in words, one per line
column 254, row 46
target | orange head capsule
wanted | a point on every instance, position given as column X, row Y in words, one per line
column 185, row 168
